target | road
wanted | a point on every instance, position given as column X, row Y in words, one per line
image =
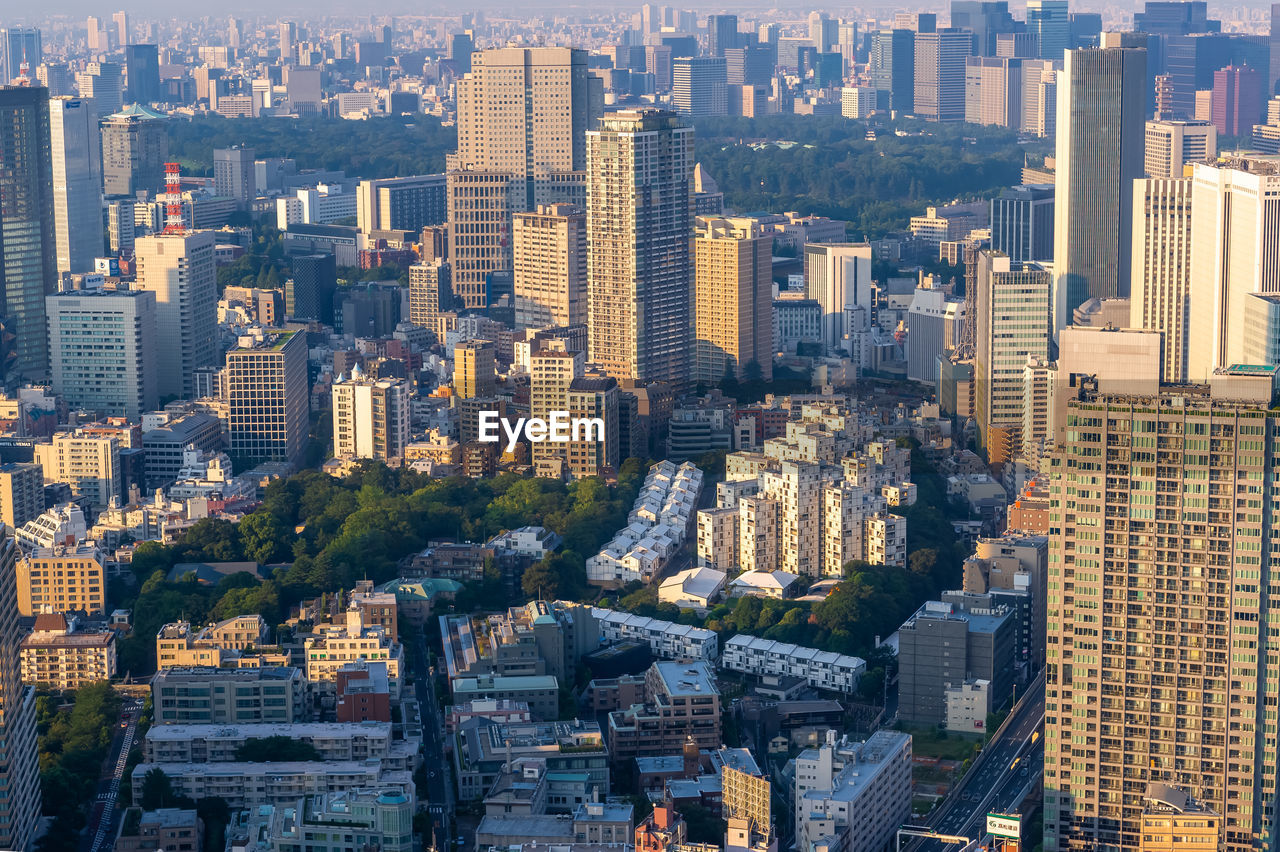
column 439, row 792
column 1006, row 771
column 100, row 833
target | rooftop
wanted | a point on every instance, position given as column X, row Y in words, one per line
column 686, row 679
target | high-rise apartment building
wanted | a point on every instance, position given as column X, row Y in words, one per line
column 402, row 204
column 1013, row 322
column 1171, row 145
column 474, row 369
column 1101, row 110
column 594, row 397
column 1049, row 21
column 549, row 253
column 523, row 114
column 639, row 217
column 699, row 86
column 939, row 73
column 135, row 146
column 1157, row 669
column 28, row 254
column 1160, row 267
column 62, row 579
column 1235, row 253
column 20, row 808
column 21, row 493
column 102, row 350
column 179, row 269
column 76, row 155
column 268, row 395
column 121, row 20
column 234, row 175
column 552, row 370
column 732, row 301
column 89, row 463
column 1022, row 223
column 370, row 417
column 430, row 292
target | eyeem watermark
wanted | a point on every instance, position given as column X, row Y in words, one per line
column 560, row 428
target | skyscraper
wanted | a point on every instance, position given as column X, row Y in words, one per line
column 267, row 392
column 102, row 350
column 522, row 118
column 179, row 269
column 699, row 86
column 550, row 256
column 1101, row 110
column 939, row 73
column 308, row 292
column 20, row 809
column 76, row 154
column 234, row 176
column 142, row 70
column 639, row 214
column 135, row 146
column 19, row 46
column 28, row 250
column 402, row 204
column 1160, row 268
column 96, row 35
column 985, row 19
column 1273, row 82
column 1237, row 99
column 1050, row 22
column 893, row 68
column 553, row 367
column 103, row 82
column 1022, row 223
column 722, row 33
column 1158, row 667
column 1235, row 252
column 732, row 301
column 121, row 20
column 838, row 277
column 1012, row 323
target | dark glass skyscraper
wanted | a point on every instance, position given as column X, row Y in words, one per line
column 893, row 68
column 28, row 256
column 142, row 68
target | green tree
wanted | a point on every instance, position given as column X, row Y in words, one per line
column 276, row 748
column 157, row 790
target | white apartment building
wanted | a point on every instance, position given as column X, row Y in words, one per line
column 212, row 744
column 102, row 350
column 179, row 269
column 821, row 669
column 370, row 417
column 853, row 796
column 247, row 785
column 656, row 527
column 333, row 646
column 718, row 538
column 666, row 640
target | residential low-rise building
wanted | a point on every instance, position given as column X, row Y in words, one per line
column 656, row 528
column 540, row 692
column 333, row 740
column 59, row 655
column 334, row 646
column 208, row 695
column 248, row 785
column 821, row 669
column 482, row 747
column 693, row 588
column 369, row 819
column 666, row 640
column 170, row 829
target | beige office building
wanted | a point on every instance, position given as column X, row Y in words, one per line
column 523, row 113
column 1159, row 665
column 62, row 579
column 639, row 218
column 1235, row 252
column 1171, row 145
column 370, row 418
column 474, row 369
column 550, row 256
column 179, row 269
column 21, row 493
column 90, row 464
column 732, row 300
column 268, row 396
column 1160, row 266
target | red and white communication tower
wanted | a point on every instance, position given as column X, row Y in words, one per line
column 174, row 222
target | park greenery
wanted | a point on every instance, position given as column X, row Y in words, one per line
column 832, row 169
column 316, row 534
column 824, row 166
column 74, row 731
